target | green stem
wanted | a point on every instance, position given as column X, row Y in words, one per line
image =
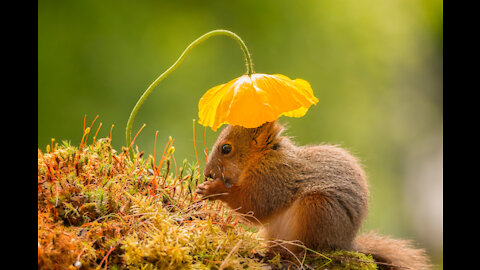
column 192, row 45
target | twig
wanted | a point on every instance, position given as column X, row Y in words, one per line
column 234, row 249
column 205, row 142
column 131, row 143
column 111, row 129
column 194, row 146
column 106, row 256
column 98, row 129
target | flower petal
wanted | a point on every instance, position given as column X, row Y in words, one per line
column 250, row 101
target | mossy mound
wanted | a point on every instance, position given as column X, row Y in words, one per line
column 99, row 209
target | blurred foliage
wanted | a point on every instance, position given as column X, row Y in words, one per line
column 376, row 67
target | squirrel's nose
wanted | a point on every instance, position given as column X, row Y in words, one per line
column 207, row 174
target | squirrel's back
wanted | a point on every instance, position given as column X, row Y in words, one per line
column 334, row 170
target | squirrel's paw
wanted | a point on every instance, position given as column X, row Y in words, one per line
column 210, row 188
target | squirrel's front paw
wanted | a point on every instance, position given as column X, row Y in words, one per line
column 210, row 188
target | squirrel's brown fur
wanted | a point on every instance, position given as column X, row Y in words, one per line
column 315, row 194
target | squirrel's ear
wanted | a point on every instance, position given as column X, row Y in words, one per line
column 267, row 134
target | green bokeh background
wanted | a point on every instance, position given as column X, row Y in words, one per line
column 376, row 67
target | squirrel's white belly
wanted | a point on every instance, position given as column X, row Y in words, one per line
column 281, row 225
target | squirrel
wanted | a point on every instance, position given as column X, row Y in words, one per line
column 315, row 194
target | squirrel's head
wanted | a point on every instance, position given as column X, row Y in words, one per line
column 238, row 148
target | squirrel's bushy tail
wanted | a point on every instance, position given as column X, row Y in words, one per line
column 400, row 254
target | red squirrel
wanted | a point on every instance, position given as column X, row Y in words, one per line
column 315, row 194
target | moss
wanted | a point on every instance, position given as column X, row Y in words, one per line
column 347, row 260
column 98, row 208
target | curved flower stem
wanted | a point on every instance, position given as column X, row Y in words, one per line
column 192, row 45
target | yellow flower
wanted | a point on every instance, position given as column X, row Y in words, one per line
column 250, row 101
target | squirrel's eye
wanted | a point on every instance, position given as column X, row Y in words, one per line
column 226, row 148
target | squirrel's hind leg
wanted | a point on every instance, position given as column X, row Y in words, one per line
column 315, row 220
column 320, row 225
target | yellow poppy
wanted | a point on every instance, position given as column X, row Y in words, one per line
column 250, row 101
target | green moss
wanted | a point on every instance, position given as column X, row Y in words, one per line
column 349, row 260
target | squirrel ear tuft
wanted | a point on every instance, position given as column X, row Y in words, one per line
column 267, row 134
